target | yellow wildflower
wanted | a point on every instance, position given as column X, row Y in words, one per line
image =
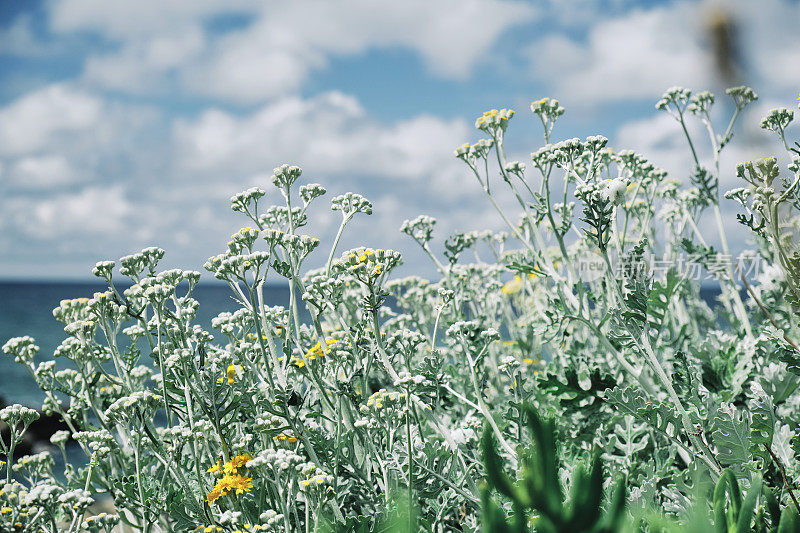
column 317, row 350
column 513, row 286
column 241, row 484
column 231, row 373
column 230, row 482
column 232, row 466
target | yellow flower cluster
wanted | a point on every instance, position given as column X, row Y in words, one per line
column 231, row 374
column 232, row 481
column 245, row 231
column 366, row 255
column 229, row 483
column 536, row 104
column 284, row 438
column 515, row 285
column 232, row 466
column 8, row 514
column 315, row 352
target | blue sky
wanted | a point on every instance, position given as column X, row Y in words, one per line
column 127, row 124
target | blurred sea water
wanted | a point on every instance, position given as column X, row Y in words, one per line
column 26, row 308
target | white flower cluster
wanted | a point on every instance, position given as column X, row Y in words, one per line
column 23, row 349
column 313, row 477
column 128, row 406
column 278, row 460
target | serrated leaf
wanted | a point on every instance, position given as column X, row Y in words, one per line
column 629, row 438
column 731, row 435
column 762, row 426
column 632, row 401
column 782, row 446
column 778, row 383
column 658, row 302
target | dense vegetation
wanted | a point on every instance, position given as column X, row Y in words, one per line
column 563, row 376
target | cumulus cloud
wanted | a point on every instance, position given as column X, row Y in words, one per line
column 405, row 168
column 91, row 211
column 38, row 172
column 95, row 182
column 330, row 133
column 38, row 118
column 20, row 40
column 88, row 171
column 147, row 64
column 272, row 54
column 119, row 21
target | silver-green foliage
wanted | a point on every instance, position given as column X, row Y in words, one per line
column 357, row 414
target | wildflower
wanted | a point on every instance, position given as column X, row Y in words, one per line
column 230, row 483
column 350, row 204
column 494, row 120
column 232, row 372
column 214, row 495
column 513, row 286
column 241, row 484
column 23, row 349
column 317, row 350
column 232, row 466
column 283, row 437
column 614, row 190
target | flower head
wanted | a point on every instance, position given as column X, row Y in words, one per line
column 230, row 483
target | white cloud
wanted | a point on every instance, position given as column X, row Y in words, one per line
column 633, row 56
column 20, row 40
column 38, row 172
column 284, row 42
column 36, row 119
column 109, row 183
column 141, row 65
column 328, row 134
column 771, row 42
column 405, row 168
column 71, row 217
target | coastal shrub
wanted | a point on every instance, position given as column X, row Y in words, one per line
column 577, row 345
